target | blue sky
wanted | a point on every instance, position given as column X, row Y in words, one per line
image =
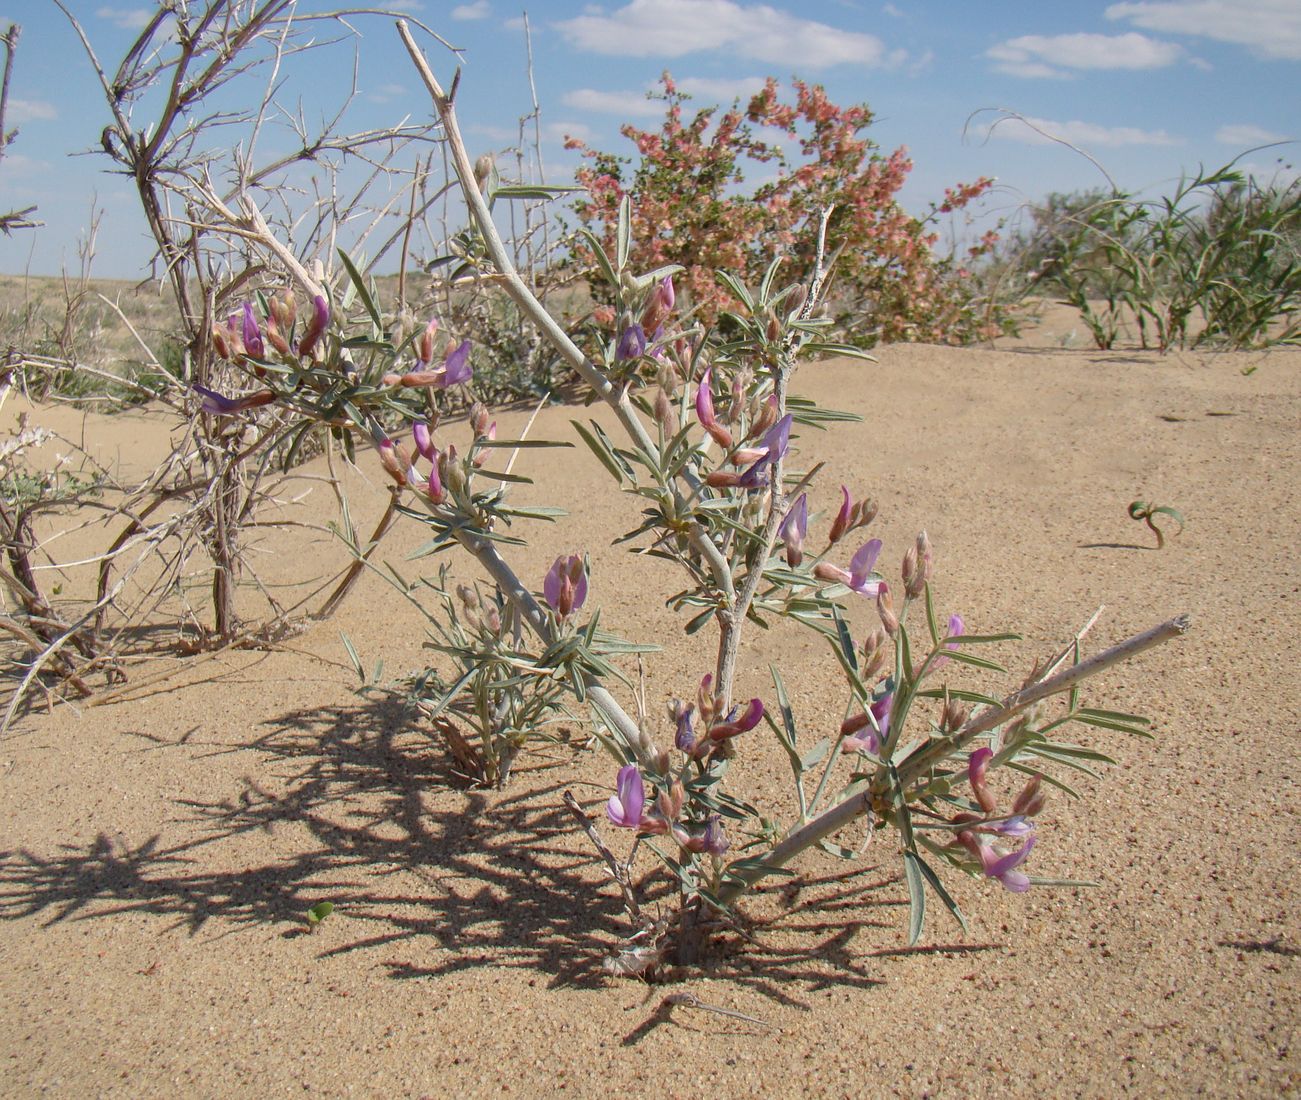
column 1148, row 89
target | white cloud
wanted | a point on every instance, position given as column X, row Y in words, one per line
column 1042, row 131
column 559, row 131
column 1270, row 28
column 1039, row 55
column 623, row 104
column 127, row 19
column 672, row 28
column 707, row 91
column 30, row 110
column 477, row 10
column 386, row 93
column 1245, row 134
column 721, row 91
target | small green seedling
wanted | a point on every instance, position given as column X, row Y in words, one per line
column 1142, row 510
column 318, row 913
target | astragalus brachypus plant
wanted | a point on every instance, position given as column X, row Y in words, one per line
column 710, row 444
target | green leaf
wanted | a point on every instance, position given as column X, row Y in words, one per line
column 360, row 284
column 353, row 656
column 623, row 233
column 815, row 754
column 935, row 884
column 602, row 260
column 606, row 457
column 739, row 290
column 318, row 913
column 916, row 895
column 849, row 657
column 532, row 191
column 976, row 662
column 837, row 851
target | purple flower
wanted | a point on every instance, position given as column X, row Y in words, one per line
column 715, row 840
column 456, row 367
column 861, row 735
column 1004, row 867
column 793, row 529
column 626, row 805
column 1016, row 826
column 424, row 440
column 632, row 344
column 705, row 411
column 684, row 740
column 775, row 443
column 316, row 326
column 217, row 404
column 252, row 335
column 856, row 579
column 957, row 628
column 733, row 725
column 565, row 585
column 434, row 486
column 977, row 766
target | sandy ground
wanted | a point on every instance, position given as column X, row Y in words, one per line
column 157, row 856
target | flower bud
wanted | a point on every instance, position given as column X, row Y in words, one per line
column 764, row 418
column 470, row 605
column 453, row 474
column 665, row 414
column 483, row 170
column 773, row 330
column 425, row 346
column 316, row 326
column 220, row 344
column 885, row 608
column 953, row 717
column 388, row 457
column 909, row 570
column 1030, row 802
column 276, row 338
column 875, row 656
column 840, row 525
column 795, row 300
column 723, row 479
column 977, row 766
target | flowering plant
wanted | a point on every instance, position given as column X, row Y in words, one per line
column 690, row 208
column 711, row 451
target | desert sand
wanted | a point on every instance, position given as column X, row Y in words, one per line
column 157, row 855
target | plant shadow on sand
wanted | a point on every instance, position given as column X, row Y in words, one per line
column 352, row 798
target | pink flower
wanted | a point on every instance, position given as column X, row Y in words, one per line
column 316, row 326
column 628, row 803
column 857, row 579
column 794, row 528
column 705, row 412
column 565, row 585
column 957, row 627
column 1004, row 867
column 217, row 404
column 867, row 734
column 252, row 335
column 733, row 725
column 774, row 445
column 977, row 766
column 632, row 344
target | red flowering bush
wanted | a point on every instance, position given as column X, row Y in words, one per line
column 690, row 206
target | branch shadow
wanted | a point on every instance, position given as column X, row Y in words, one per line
column 440, row 879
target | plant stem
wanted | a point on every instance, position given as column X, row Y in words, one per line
column 861, row 801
